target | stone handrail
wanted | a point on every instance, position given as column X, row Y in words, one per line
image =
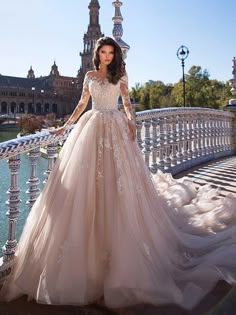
column 171, row 139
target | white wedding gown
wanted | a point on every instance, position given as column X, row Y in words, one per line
column 103, row 226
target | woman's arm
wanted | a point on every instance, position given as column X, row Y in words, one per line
column 83, row 102
column 79, row 108
column 129, row 110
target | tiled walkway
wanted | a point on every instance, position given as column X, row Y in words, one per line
column 221, row 301
column 221, row 173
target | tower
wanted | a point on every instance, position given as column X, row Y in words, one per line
column 31, row 73
column 118, row 29
column 91, row 37
column 54, row 70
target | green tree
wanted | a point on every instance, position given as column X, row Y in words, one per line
column 200, row 90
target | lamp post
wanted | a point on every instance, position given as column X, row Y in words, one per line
column 182, row 54
column 42, row 94
column 72, row 94
column 33, row 89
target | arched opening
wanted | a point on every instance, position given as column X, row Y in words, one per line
column 54, row 108
column 30, row 108
column 38, row 108
column 46, row 108
column 22, row 108
column 4, row 108
column 13, row 108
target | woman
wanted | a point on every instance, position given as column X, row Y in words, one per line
column 102, row 227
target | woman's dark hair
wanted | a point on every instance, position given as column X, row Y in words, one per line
column 116, row 69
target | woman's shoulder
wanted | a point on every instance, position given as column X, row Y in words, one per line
column 124, row 78
column 90, row 73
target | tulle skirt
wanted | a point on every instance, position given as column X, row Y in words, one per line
column 103, row 226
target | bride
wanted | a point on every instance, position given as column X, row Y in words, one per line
column 103, row 227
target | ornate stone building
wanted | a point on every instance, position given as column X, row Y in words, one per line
column 55, row 92
column 42, row 95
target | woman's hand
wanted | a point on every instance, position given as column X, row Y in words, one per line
column 132, row 129
column 59, row 131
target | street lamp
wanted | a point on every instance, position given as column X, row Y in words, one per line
column 33, row 89
column 182, row 54
column 72, row 94
column 42, row 94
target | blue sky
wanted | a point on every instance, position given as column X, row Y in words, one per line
column 35, row 32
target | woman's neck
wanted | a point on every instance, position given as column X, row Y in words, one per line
column 103, row 70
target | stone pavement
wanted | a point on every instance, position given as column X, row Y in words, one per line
column 222, row 299
column 22, row 307
column 220, row 173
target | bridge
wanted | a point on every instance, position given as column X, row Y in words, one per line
column 195, row 142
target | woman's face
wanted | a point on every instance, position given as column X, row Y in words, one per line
column 106, row 55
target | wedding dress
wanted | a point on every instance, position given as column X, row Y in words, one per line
column 103, row 226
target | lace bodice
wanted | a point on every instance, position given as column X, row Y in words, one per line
column 104, row 94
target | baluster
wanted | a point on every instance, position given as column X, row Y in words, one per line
column 218, row 135
column 217, row 142
column 185, row 139
column 203, row 133
column 167, row 142
column 195, row 133
column 51, row 153
column 13, row 203
column 190, row 137
column 199, row 136
column 214, row 129
column 224, row 134
column 207, row 134
column 174, row 142
column 180, row 140
column 221, row 135
column 147, row 140
column 211, row 136
column 33, row 181
column 154, row 148
column 161, row 162
column 230, row 134
column 139, row 125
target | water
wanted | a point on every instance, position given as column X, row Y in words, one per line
column 7, row 135
column 24, row 174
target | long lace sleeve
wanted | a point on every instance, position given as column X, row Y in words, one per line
column 130, row 112
column 82, row 102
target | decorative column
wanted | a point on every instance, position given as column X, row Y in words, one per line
column 154, row 165
column 51, row 153
column 161, row 164
column 180, row 135
column 167, row 140
column 185, row 138
column 13, row 203
column 147, row 140
column 190, row 137
column 174, row 141
column 33, row 181
column 139, row 125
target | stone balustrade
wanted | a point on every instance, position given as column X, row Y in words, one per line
column 176, row 139
column 171, row 140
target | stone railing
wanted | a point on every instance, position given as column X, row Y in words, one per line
column 176, row 139
column 171, row 139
